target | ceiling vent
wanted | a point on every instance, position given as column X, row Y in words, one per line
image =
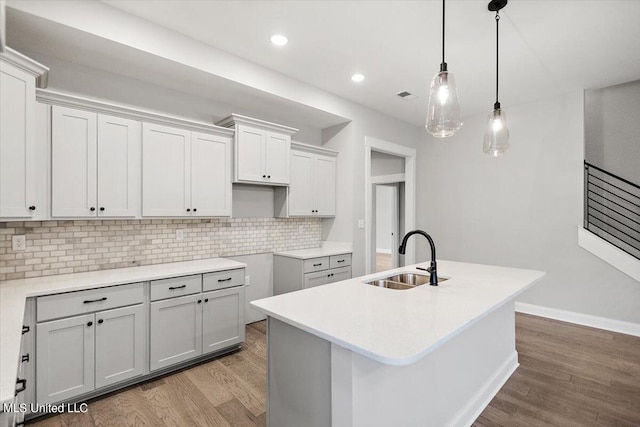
column 407, row 96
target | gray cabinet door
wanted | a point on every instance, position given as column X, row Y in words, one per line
column 119, row 344
column 176, row 330
column 316, row 279
column 65, row 362
column 222, row 318
column 338, row 274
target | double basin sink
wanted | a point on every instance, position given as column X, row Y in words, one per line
column 403, row 281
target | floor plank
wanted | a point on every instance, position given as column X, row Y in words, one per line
column 569, row 375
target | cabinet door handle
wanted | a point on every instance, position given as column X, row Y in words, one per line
column 90, row 324
column 194, row 209
column 224, row 280
column 25, row 329
column 171, row 288
column 264, row 176
column 199, row 301
column 24, row 358
column 188, row 209
column 32, row 208
column 101, row 209
column 92, row 209
column 269, row 176
column 317, row 265
column 23, row 385
column 100, row 321
column 206, row 300
column 89, row 301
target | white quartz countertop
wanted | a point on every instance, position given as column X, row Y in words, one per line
column 314, row 253
column 13, row 294
column 399, row 327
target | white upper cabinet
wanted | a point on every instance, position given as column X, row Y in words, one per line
column 118, row 166
column 312, row 191
column 166, row 171
column 262, row 150
column 74, row 163
column 95, row 164
column 210, row 174
column 19, row 172
column 185, row 173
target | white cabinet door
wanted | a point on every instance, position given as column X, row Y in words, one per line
column 301, row 187
column 277, row 157
column 176, row 330
column 222, row 319
column 249, row 159
column 339, row 274
column 324, row 191
column 166, row 171
column 17, row 142
column 119, row 345
column 65, row 358
column 210, row 175
column 73, row 163
column 316, row 279
column 118, row 166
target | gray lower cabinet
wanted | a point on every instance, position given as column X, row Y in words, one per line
column 186, row 327
column 176, row 330
column 293, row 274
column 65, row 363
column 222, row 319
column 76, row 355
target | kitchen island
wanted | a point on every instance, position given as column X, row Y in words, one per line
column 350, row 354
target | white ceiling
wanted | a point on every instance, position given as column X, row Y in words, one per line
column 547, row 47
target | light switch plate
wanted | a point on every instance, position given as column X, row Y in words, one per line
column 361, row 223
column 19, row 242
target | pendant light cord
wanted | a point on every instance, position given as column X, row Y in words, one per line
column 497, row 104
column 443, row 31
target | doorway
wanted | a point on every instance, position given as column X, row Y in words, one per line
column 387, row 225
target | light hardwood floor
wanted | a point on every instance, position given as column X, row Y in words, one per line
column 383, row 262
column 569, row 375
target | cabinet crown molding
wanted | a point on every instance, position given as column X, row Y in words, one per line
column 235, row 119
column 295, row 145
column 27, row 64
column 67, row 100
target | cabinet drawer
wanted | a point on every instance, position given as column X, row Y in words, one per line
column 222, row 279
column 176, row 287
column 336, row 261
column 73, row 303
column 316, row 264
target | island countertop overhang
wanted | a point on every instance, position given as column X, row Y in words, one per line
column 400, row 327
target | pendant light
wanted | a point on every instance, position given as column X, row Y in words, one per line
column 443, row 114
column 496, row 133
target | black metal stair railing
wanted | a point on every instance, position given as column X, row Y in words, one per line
column 612, row 209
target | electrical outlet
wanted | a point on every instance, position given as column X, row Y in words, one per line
column 361, row 223
column 179, row 234
column 19, row 242
column 301, row 229
column 247, row 280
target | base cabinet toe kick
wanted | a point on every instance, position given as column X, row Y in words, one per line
column 79, row 345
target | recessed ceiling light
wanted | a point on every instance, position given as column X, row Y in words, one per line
column 279, row 39
column 357, row 77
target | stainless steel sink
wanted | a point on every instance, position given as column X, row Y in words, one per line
column 403, row 281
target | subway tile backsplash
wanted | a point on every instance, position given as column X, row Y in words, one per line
column 60, row 247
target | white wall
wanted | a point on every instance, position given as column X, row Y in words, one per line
column 523, row 209
column 383, row 218
column 612, row 129
column 386, row 164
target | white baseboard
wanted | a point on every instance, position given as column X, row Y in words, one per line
column 383, row 251
column 483, row 397
column 609, row 253
column 597, row 322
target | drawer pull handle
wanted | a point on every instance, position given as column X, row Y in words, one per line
column 224, row 280
column 171, row 288
column 89, row 301
column 317, row 265
column 23, row 385
column 25, row 329
column 340, row 260
column 24, row 358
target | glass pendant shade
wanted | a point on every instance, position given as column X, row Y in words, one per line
column 443, row 114
column 496, row 134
